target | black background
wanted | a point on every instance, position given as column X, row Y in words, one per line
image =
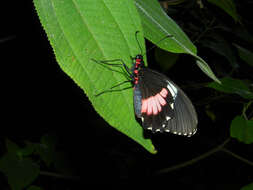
column 38, row 98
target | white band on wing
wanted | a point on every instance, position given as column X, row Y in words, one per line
column 172, row 89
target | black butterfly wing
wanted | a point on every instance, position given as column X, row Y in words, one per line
column 175, row 113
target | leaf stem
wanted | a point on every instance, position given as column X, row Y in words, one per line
column 208, row 27
column 245, row 108
column 56, row 175
column 2, row 40
column 237, row 156
column 194, row 160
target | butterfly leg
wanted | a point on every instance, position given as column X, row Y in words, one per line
column 125, row 69
column 108, row 62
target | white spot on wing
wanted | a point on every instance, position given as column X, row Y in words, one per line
column 172, row 105
column 149, row 128
column 192, row 133
column 168, row 118
column 172, row 89
column 189, row 134
column 163, row 125
column 142, row 119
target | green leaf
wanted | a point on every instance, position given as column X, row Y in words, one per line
column 228, row 6
column 210, row 113
column 165, row 59
column 28, row 149
column 157, row 24
column 219, row 45
column 11, row 146
column 248, row 187
column 242, row 130
column 49, row 140
column 245, row 54
column 232, row 86
column 19, row 172
column 46, row 149
column 240, row 32
column 206, row 69
column 82, row 30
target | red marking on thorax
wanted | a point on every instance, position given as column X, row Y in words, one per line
column 136, row 71
column 136, row 80
column 138, row 63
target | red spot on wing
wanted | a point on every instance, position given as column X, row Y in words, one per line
column 153, row 104
column 144, row 106
column 164, row 93
column 160, row 100
column 149, row 112
column 158, row 105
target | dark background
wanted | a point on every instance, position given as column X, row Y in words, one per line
column 38, row 98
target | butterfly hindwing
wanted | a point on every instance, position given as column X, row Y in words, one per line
column 185, row 117
column 162, row 105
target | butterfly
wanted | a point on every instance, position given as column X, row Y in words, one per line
column 160, row 103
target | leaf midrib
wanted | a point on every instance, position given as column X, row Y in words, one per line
column 164, row 30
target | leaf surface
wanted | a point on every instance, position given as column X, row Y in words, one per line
column 232, row 86
column 157, row 25
column 80, row 31
column 242, row 130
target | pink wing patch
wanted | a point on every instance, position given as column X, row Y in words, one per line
column 153, row 105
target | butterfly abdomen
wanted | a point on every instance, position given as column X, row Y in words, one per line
column 137, row 101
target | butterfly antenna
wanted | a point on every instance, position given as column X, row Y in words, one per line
column 168, row 36
column 143, row 54
column 138, row 41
